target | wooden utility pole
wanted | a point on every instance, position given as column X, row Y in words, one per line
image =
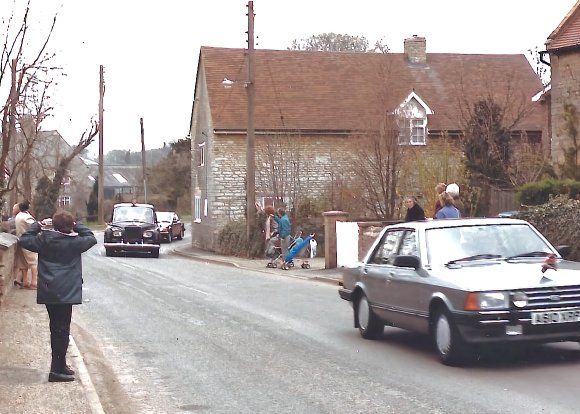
column 250, row 141
column 101, row 189
column 143, row 160
column 11, row 144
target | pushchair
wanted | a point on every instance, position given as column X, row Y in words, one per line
column 299, row 244
column 273, row 251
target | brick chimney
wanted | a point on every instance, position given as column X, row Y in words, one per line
column 416, row 49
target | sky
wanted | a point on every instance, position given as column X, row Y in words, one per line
column 150, row 50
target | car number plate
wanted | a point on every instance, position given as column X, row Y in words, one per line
column 542, row 318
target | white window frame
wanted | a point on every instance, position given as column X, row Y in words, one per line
column 201, row 149
column 64, row 200
column 197, row 209
column 418, row 131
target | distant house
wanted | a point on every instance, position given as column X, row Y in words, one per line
column 122, row 182
column 43, row 160
column 318, row 104
column 563, row 47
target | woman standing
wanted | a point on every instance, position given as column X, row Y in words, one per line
column 414, row 210
column 448, row 210
column 60, row 280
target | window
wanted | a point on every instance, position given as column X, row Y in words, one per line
column 201, row 150
column 418, row 131
column 64, row 201
column 387, row 247
column 409, row 244
column 197, row 208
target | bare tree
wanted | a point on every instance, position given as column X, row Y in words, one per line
column 333, row 42
column 47, row 201
column 29, row 83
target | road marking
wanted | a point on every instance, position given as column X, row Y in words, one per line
column 129, row 266
column 83, row 373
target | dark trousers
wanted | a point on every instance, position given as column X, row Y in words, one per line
column 60, row 318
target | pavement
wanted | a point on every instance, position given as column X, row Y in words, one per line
column 25, row 342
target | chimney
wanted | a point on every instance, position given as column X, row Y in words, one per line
column 416, row 49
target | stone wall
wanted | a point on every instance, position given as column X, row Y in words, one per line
column 565, row 89
column 8, row 244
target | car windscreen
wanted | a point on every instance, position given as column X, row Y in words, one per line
column 133, row 213
column 449, row 244
column 162, row 216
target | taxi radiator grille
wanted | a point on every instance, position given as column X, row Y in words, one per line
column 553, row 297
column 132, row 234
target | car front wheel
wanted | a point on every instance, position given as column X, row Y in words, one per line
column 450, row 347
column 369, row 325
column 181, row 233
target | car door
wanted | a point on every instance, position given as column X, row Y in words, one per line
column 378, row 270
column 408, row 290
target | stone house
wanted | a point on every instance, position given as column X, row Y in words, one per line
column 317, row 106
column 44, row 158
column 563, row 47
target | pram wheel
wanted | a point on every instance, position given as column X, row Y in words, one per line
column 270, row 265
column 305, row 266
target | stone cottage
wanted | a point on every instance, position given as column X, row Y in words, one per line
column 317, row 106
column 563, row 47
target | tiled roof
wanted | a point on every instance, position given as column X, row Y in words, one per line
column 567, row 34
column 325, row 91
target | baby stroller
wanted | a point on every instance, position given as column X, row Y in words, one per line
column 273, row 251
column 298, row 245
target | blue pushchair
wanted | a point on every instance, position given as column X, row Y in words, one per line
column 298, row 245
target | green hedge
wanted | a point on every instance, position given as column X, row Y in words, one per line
column 539, row 192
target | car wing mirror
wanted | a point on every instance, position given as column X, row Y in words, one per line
column 407, row 261
column 564, row 250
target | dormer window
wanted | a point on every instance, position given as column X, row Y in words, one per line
column 412, row 120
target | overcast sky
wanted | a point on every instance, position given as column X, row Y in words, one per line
column 150, row 48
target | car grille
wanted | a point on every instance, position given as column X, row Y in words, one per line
column 553, row 297
column 132, row 234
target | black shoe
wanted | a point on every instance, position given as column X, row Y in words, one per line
column 58, row 377
column 67, row 370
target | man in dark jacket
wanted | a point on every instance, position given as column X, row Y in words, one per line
column 59, row 280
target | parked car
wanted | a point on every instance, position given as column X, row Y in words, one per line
column 133, row 228
column 170, row 226
column 466, row 282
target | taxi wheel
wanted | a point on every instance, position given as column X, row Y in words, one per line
column 450, row 347
column 369, row 325
column 181, row 234
column 169, row 237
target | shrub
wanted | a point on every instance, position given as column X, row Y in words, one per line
column 559, row 221
column 539, row 192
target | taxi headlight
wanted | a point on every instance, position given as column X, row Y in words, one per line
column 486, row 300
column 148, row 234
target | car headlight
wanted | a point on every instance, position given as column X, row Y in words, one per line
column 486, row 300
column 148, row 233
column 520, row 299
column 116, row 231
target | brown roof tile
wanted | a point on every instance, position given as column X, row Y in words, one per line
column 345, row 91
column 567, row 34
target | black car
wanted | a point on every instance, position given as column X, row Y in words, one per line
column 170, row 226
column 133, row 228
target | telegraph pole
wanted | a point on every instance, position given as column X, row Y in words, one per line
column 250, row 141
column 12, row 134
column 101, row 189
column 143, row 159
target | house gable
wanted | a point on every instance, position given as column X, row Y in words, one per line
column 567, row 34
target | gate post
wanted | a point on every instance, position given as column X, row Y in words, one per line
column 330, row 219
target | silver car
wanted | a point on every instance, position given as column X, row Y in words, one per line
column 466, row 282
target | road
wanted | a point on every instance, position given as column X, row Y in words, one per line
column 172, row 335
